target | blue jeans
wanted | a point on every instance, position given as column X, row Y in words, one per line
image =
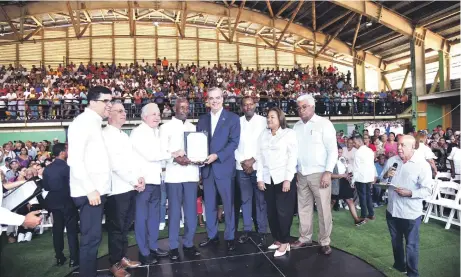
column 400, row 228
column 162, row 202
column 248, row 191
column 364, row 192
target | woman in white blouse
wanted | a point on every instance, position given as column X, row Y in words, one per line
column 277, row 159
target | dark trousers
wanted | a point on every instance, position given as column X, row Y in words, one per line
column 280, row 206
column 90, row 234
column 66, row 217
column 225, row 188
column 147, row 219
column 120, row 210
column 366, row 203
column 252, row 202
column 409, row 229
column 378, row 194
column 182, row 195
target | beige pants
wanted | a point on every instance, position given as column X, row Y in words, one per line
column 308, row 191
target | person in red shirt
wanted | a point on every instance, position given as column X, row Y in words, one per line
column 366, row 141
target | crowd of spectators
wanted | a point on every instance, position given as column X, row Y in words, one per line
column 441, row 148
column 60, row 92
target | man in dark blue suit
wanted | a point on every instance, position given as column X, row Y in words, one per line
column 61, row 206
column 223, row 130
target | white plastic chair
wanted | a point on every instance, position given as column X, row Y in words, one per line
column 47, row 221
column 446, row 175
column 440, row 200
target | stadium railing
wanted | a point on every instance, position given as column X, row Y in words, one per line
column 66, row 110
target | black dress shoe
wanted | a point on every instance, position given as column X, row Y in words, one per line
column 192, row 251
column 174, row 254
column 244, row 237
column 209, row 241
column 147, row 260
column 230, row 245
column 159, row 252
column 73, row 263
column 261, row 241
column 61, row 261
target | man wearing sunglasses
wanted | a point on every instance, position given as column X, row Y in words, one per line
column 90, row 174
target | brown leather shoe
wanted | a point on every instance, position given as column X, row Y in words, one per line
column 298, row 244
column 325, row 250
column 371, row 217
column 118, row 271
column 127, row 263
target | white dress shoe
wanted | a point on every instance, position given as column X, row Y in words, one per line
column 273, row 246
column 279, row 253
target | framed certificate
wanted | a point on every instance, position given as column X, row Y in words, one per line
column 196, row 144
column 20, row 196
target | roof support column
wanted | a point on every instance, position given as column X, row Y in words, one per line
column 444, row 71
column 418, row 80
column 359, row 72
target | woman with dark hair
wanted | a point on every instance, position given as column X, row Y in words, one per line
column 277, row 159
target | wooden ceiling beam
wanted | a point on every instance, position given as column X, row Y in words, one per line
column 335, row 35
column 293, row 15
column 357, row 28
column 182, row 30
column 314, row 16
column 285, row 6
column 333, row 20
column 75, row 22
column 269, row 7
column 237, row 19
column 8, row 20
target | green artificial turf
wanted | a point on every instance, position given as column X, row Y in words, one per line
column 439, row 248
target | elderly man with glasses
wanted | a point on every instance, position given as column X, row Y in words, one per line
column 127, row 180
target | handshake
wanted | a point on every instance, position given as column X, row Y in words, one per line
column 180, row 158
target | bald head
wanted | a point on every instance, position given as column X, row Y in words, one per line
column 406, row 147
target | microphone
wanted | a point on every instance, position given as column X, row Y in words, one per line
column 394, row 167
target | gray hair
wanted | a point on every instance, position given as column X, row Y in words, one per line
column 215, row 89
column 306, row 97
column 147, row 108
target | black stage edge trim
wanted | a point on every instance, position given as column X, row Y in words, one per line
column 248, row 260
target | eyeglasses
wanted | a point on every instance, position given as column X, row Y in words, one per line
column 302, row 108
column 106, row 101
column 120, row 111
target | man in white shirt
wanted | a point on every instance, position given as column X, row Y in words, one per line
column 90, row 174
column 149, row 153
column 251, row 126
column 317, row 156
column 181, row 180
column 412, row 183
column 364, row 175
column 126, row 181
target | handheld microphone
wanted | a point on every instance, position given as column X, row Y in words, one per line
column 394, row 167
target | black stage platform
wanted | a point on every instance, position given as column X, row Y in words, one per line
column 249, row 261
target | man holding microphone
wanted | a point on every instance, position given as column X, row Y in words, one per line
column 411, row 183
